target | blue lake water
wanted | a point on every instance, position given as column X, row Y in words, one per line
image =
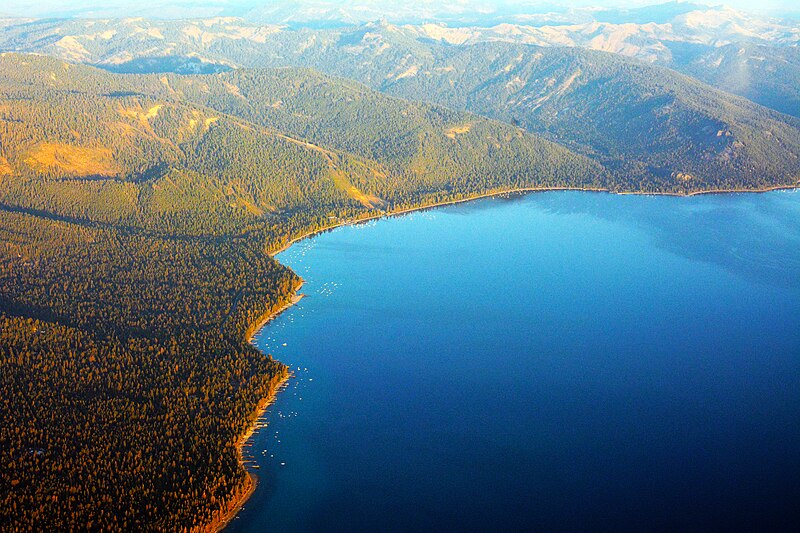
column 558, row 360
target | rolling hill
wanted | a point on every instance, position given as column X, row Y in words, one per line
column 767, row 75
column 638, row 119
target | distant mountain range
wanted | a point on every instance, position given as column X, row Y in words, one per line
column 641, row 120
column 752, row 56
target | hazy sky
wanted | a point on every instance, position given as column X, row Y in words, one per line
column 39, row 8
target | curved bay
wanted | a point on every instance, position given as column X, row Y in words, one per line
column 558, row 360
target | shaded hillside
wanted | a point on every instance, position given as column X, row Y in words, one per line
column 650, row 124
column 767, row 75
column 636, row 118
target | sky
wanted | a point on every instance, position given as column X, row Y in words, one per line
column 202, row 8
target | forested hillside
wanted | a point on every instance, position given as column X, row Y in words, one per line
column 126, row 377
column 136, row 217
column 646, row 123
column 767, row 75
column 642, row 121
column 650, row 125
column 150, row 151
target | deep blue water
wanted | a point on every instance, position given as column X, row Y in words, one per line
column 559, row 360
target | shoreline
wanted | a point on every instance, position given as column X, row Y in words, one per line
column 718, row 191
column 225, row 519
column 518, row 190
column 221, row 523
column 253, row 330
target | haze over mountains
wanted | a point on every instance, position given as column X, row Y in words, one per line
column 454, row 12
column 745, row 54
column 594, row 83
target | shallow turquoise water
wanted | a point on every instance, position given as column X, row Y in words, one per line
column 558, row 360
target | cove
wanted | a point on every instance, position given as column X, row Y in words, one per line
column 557, row 360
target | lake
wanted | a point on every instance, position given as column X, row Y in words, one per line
column 558, row 360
